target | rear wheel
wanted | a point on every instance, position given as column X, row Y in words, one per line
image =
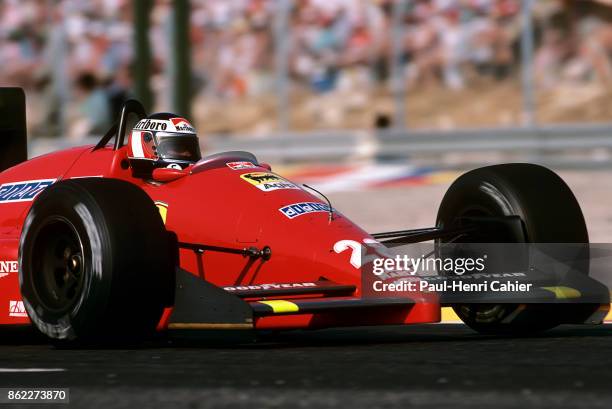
column 549, row 213
column 96, row 263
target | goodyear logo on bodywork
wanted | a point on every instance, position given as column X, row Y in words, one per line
column 271, row 286
column 298, row 209
column 267, row 181
column 23, row 191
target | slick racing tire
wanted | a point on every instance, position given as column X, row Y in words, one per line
column 96, row 263
column 549, row 213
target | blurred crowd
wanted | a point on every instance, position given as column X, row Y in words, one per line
column 335, row 43
column 79, row 54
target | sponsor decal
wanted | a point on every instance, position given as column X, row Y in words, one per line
column 267, row 181
column 298, row 209
column 17, row 309
column 7, row 267
column 269, row 286
column 182, row 125
column 240, row 165
column 473, row 276
column 23, row 191
column 151, row 125
column 162, row 207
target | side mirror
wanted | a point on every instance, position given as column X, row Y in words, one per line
column 168, row 174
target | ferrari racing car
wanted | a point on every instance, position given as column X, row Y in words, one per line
column 124, row 238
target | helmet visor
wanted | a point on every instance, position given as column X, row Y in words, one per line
column 178, row 146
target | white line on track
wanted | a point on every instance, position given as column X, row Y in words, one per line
column 4, row 370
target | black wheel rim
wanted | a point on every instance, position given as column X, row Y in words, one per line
column 484, row 313
column 58, row 272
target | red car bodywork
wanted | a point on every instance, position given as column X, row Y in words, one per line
column 214, row 205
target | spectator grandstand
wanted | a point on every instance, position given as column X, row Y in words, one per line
column 79, row 55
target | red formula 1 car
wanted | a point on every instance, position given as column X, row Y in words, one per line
column 91, row 248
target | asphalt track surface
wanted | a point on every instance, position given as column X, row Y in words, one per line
column 430, row 366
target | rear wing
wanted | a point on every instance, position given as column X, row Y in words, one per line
column 13, row 133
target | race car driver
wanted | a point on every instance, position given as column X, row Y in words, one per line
column 163, row 140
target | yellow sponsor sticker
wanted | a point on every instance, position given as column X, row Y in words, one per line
column 163, row 210
column 563, row 292
column 266, row 181
column 281, row 306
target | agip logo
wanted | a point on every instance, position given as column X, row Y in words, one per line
column 23, row 191
column 267, row 181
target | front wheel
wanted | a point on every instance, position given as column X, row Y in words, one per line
column 549, row 213
column 95, row 261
